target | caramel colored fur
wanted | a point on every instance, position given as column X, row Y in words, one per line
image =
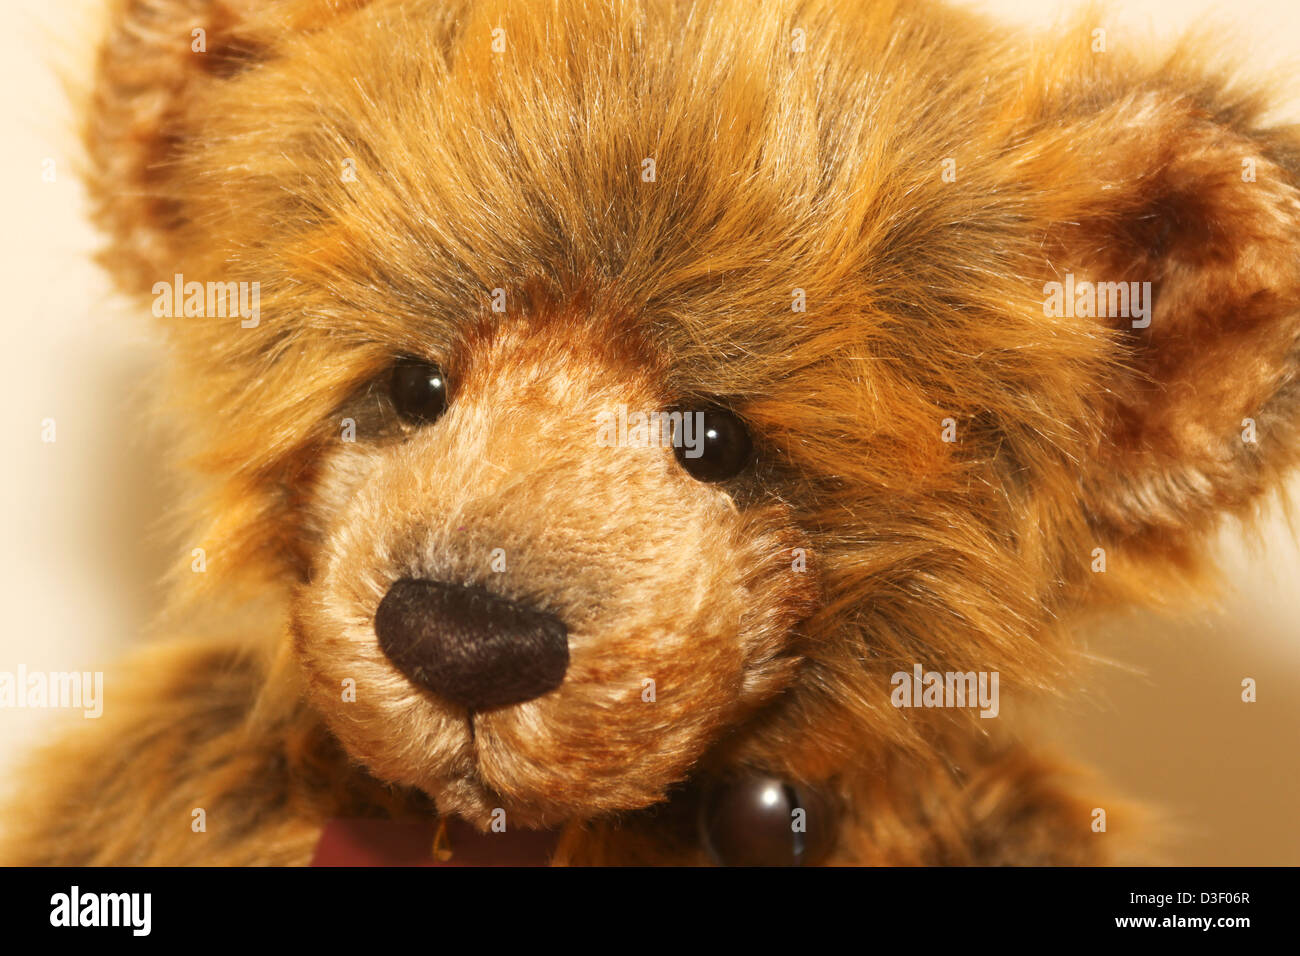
column 775, row 169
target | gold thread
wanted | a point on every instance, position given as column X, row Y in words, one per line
column 441, row 845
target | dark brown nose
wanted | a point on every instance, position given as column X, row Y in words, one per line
column 469, row 645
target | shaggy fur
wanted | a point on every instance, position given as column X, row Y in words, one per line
column 776, row 169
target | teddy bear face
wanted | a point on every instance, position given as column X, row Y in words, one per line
column 715, row 261
column 568, row 209
column 678, row 605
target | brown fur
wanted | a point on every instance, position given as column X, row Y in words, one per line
column 775, row 169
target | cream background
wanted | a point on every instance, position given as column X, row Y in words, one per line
column 78, row 567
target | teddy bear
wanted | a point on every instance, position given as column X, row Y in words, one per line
column 655, row 432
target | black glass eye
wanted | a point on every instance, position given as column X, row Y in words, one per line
column 419, row 391
column 711, row 443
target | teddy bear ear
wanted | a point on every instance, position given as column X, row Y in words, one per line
column 156, row 62
column 1184, row 202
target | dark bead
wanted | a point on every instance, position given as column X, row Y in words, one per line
column 419, row 391
column 722, row 446
column 752, row 821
